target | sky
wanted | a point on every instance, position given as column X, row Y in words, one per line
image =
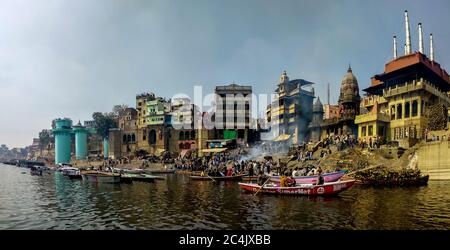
column 63, row 58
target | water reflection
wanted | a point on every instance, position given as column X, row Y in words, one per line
column 56, row 202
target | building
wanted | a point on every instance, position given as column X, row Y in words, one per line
column 123, row 140
column 316, row 122
column 184, row 137
column 330, row 111
column 153, row 117
column 349, row 101
column 233, row 114
column 291, row 111
column 399, row 100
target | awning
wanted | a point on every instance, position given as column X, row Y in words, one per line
column 283, row 137
column 214, row 150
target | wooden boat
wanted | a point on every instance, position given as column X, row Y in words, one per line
column 140, row 177
column 250, row 178
column 331, row 188
column 422, row 180
column 190, row 172
column 100, row 177
column 217, row 178
column 35, row 170
column 327, row 177
column 160, row 171
column 126, row 178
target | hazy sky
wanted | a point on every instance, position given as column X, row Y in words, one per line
column 71, row 58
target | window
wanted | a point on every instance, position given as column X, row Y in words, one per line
column 128, row 138
column 193, row 135
column 363, row 131
column 152, row 137
column 124, row 138
column 399, row 111
column 392, row 112
column 370, row 130
column 414, row 108
column 407, row 105
column 133, row 138
column 181, row 136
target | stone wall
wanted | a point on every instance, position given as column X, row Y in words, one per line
column 434, row 159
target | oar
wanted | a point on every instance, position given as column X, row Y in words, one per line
column 209, row 176
column 268, row 179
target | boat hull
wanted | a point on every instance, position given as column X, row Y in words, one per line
column 216, row 178
column 307, row 190
column 161, row 171
column 99, row 178
column 328, row 177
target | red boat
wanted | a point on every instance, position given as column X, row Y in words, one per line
column 328, row 177
column 330, row 188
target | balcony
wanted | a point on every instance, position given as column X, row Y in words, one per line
column 369, row 117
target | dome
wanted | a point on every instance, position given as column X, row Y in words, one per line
column 318, row 107
column 349, row 88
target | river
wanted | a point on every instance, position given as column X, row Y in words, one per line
column 53, row 201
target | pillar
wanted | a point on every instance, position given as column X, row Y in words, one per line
column 62, row 133
column 80, row 142
column 105, row 147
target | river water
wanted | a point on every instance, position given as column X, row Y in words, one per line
column 56, row 202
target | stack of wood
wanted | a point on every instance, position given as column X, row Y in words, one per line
column 437, row 117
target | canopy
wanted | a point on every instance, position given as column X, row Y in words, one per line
column 283, row 137
column 214, row 150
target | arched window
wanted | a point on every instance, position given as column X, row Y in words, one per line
column 152, row 137
column 181, row 136
column 414, row 108
column 124, row 138
column 407, row 104
column 399, row 111
column 193, row 135
column 133, row 137
column 128, row 138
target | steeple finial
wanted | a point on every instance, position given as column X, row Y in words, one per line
column 349, row 68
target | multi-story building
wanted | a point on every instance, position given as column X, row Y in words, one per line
column 399, row 99
column 291, row 111
column 232, row 116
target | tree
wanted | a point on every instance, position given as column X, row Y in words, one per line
column 104, row 122
column 119, row 110
column 44, row 139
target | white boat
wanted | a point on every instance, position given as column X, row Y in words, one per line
column 100, row 177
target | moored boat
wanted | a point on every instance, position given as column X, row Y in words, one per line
column 101, row 177
column 140, row 177
column 160, row 171
column 36, row 170
column 71, row 172
column 327, row 177
column 250, row 178
column 217, row 178
column 331, row 188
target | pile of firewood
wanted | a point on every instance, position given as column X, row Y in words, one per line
column 437, row 117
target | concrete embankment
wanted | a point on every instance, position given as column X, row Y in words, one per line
column 434, row 159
